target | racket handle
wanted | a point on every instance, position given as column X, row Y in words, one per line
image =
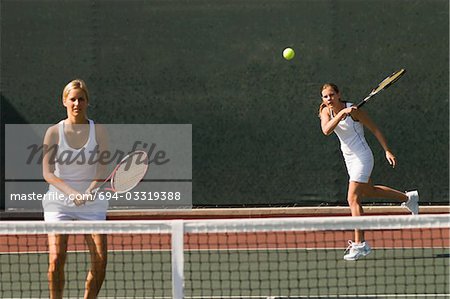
column 363, row 101
column 361, row 104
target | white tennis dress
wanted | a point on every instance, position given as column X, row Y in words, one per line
column 357, row 154
column 78, row 174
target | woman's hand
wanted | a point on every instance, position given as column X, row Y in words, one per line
column 391, row 159
column 90, row 194
column 347, row 111
column 78, row 199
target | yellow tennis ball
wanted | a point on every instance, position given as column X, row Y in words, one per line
column 288, row 53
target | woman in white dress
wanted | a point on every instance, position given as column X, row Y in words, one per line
column 71, row 174
column 348, row 122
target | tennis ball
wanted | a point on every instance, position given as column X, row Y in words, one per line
column 288, row 53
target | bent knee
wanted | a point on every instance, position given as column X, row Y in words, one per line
column 56, row 262
column 354, row 198
column 353, row 201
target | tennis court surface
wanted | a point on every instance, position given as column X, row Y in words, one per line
column 237, row 258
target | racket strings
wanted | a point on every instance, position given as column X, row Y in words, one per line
column 391, row 79
column 129, row 173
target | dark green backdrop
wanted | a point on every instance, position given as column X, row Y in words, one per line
column 217, row 65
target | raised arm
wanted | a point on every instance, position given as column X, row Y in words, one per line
column 328, row 124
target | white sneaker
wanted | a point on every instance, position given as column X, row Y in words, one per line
column 412, row 204
column 356, row 250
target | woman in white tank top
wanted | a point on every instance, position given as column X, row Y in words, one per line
column 71, row 175
column 348, row 123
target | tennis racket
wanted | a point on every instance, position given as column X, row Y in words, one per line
column 383, row 85
column 126, row 175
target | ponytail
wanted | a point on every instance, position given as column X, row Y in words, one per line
column 321, row 108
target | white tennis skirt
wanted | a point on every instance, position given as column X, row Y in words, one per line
column 69, row 216
column 57, row 207
column 359, row 166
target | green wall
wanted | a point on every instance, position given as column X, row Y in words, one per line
column 217, row 65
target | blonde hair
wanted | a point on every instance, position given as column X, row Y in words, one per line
column 75, row 84
column 325, row 86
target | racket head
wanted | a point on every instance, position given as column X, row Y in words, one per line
column 388, row 81
column 129, row 172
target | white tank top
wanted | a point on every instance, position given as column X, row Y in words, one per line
column 351, row 134
column 73, row 165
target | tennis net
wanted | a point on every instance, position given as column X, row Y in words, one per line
column 236, row 258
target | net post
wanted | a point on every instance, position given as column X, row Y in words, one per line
column 177, row 259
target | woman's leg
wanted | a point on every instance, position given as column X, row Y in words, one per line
column 380, row 191
column 98, row 249
column 354, row 197
column 57, row 245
